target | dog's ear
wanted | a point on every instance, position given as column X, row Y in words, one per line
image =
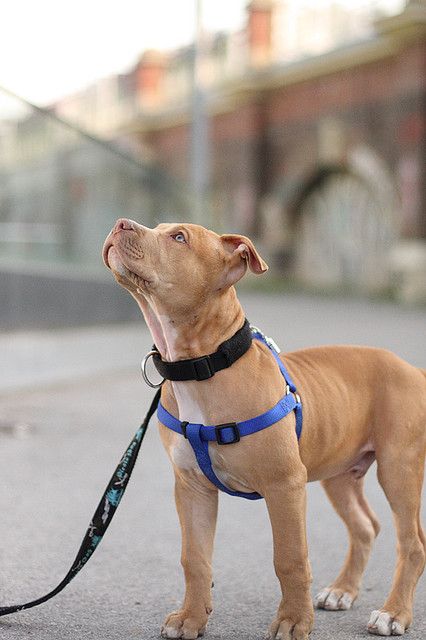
column 242, row 253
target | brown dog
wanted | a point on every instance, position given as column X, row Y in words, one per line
column 359, row 405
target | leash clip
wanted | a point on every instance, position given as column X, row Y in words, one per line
column 144, row 362
column 269, row 341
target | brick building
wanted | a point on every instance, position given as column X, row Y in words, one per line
column 321, row 158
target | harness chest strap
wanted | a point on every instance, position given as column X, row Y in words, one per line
column 200, row 435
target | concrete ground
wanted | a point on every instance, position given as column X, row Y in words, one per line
column 68, row 410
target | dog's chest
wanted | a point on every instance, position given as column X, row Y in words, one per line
column 182, row 454
column 183, row 457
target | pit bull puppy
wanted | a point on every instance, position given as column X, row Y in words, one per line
column 359, row 405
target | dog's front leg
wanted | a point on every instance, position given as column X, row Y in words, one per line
column 197, row 509
column 286, row 504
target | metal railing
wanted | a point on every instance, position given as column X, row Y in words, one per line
column 61, row 189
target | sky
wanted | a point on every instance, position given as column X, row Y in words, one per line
column 51, row 48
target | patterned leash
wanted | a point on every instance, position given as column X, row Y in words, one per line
column 103, row 514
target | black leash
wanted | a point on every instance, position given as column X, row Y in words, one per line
column 103, row 514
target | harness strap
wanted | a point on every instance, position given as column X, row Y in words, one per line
column 258, row 335
column 200, row 435
column 201, row 450
column 231, row 432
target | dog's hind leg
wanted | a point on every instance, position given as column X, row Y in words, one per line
column 347, row 497
column 400, row 473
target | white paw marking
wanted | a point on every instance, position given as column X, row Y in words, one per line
column 171, row 632
column 381, row 624
column 346, row 602
column 331, row 601
column 397, row 628
column 321, row 597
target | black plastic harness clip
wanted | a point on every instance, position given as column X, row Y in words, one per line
column 183, row 426
column 228, row 425
column 203, row 369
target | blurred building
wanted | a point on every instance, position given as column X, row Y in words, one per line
column 61, row 191
column 316, row 131
column 316, row 135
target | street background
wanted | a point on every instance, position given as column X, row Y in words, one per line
column 55, row 469
column 298, row 123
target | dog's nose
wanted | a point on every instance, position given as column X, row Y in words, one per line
column 123, row 224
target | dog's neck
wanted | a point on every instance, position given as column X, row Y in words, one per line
column 196, row 334
column 193, row 334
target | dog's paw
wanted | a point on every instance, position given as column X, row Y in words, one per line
column 334, row 599
column 286, row 629
column 382, row 623
column 183, row 624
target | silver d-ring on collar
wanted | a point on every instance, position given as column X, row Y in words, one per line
column 149, row 355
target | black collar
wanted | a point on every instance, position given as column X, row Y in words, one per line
column 205, row 367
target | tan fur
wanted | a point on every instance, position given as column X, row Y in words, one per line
column 359, row 404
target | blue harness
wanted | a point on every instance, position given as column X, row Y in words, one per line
column 200, row 435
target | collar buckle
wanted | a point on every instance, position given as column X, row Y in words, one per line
column 203, row 369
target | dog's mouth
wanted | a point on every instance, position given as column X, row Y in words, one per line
column 113, row 260
column 105, row 254
column 108, row 245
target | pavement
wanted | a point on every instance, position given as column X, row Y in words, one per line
column 70, row 401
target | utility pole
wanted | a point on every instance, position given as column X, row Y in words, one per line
column 199, row 129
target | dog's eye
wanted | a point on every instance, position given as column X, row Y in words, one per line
column 179, row 237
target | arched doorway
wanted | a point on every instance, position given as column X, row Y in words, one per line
column 346, row 226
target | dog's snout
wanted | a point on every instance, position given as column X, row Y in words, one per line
column 123, row 224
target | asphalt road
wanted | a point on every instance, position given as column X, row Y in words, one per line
column 54, row 473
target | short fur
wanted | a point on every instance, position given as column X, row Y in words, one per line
column 182, row 277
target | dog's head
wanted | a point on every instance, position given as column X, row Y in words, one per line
column 177, row 265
